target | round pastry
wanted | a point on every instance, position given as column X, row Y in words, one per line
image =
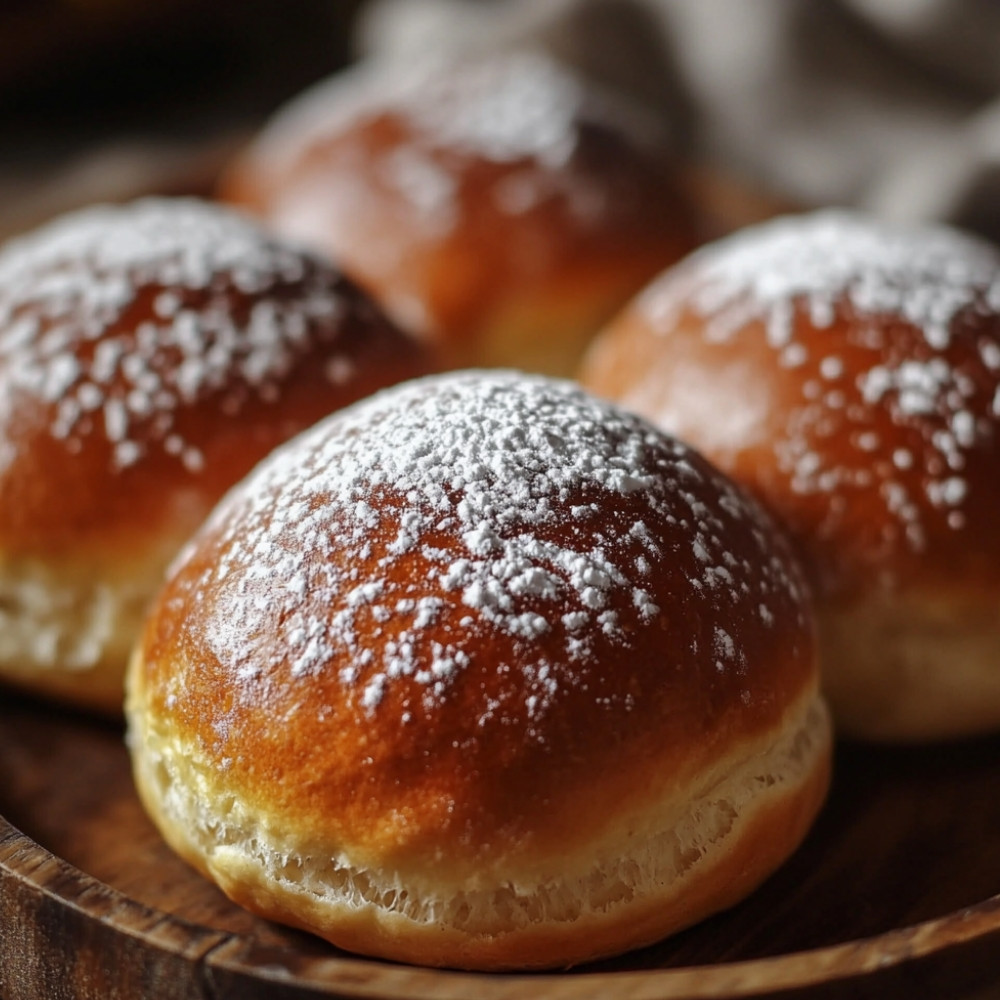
column 848, row 373
column 482, row 673
column 150, row 355
column 500, row 206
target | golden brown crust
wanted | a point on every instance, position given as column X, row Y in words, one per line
column 608, row 711
column 666, row 864
column 428, row 771
column 746, row 413
column 877, row 445
column 846, row 373
column 462, row 630
column 495, row 206
column 65, row 489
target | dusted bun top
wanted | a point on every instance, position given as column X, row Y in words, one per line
column 475, row 597
column 845, row 370
column 501, row 206
column 151, row 353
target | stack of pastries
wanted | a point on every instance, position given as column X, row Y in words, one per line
column 479, row 669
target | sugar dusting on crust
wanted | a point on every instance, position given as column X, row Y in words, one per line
column 520, row 475
column 927, row 276
column 508, row 108
column 65, row 341
column 520, row 108
column 834, row 263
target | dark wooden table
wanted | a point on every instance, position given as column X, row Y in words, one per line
column 893, row 895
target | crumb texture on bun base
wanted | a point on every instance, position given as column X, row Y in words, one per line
column 150, row 356
column 501, row 206
column 482, row 673
column 847, row 372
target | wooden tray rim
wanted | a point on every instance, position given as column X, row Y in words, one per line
column 29, row 863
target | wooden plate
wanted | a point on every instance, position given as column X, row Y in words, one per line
column 894, row 894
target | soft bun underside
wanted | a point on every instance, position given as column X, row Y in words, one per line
column 67, row 627
column 913, row 665
column 672, row 860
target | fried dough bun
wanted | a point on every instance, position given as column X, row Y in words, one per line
column 150, row 356
column 502, row 207
column 847, row 372
column 482, row 673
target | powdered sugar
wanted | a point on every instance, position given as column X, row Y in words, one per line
column 502, row 106
column 499, row 501
column 926, row 276
column 519, row 108
column 66, row 340
column 796, row 276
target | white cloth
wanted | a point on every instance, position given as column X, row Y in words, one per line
column 889, row 105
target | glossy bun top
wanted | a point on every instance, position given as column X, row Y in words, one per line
column 500, row 205
column 847, row 371
column 466, row 601
column 151, row 353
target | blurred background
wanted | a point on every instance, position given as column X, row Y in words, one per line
column 890, row 105
column 106, row 99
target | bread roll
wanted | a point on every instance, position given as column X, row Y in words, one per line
column 501, row 206
column 482, row 673
column 150, row 355
column 848, row 373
